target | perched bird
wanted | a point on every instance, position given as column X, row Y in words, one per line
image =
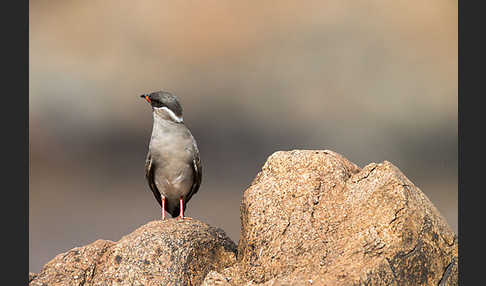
column 172, row 167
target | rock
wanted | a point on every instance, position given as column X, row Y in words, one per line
column 314, row 218
column 216, row 278
column 75, row 267
column 170, row 252
column 32, row 276
column 308, row 218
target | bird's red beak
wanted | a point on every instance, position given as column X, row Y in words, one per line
column 146, row 98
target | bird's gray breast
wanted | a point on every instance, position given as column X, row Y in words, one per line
column 171, row 148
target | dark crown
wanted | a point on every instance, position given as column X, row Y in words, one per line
column 161, row 98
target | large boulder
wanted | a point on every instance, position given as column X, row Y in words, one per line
column 308, row 218
column 314, row 218
column 170, row 252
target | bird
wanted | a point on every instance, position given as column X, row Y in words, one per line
column 173, row 166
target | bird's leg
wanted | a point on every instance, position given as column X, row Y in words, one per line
column 163, row 207
column 181, row 214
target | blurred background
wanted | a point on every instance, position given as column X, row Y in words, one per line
column 372, row 80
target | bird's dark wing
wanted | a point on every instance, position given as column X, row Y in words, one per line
column 149, row 174
column 197, row 169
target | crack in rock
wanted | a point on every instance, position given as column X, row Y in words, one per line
column 367, row 175
column 447, row 272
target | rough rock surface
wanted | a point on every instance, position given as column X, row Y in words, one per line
column 170, row 252
column 75, row 267
column 308, row 218
column 314, row 218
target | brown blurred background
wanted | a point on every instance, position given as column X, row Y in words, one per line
column 372, row 80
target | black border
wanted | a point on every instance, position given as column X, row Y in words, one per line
column 15, row 141
column 471, row 205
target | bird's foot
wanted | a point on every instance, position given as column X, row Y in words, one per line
column 183, row 218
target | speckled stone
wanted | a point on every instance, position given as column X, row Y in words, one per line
column 311, row 217
column 74, row 268
column 170, row 252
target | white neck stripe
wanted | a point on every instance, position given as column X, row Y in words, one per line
column 171, row 114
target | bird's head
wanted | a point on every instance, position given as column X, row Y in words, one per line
column 165, row 104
